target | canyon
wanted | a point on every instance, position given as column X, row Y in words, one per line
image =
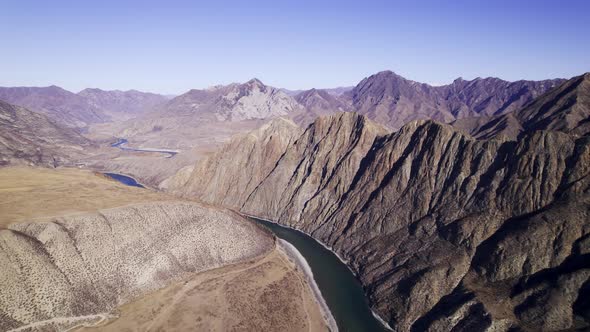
column 445, row 231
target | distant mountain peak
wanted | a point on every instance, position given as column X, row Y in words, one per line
column 255, row 82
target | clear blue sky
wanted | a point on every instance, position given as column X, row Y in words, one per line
column 172, row 46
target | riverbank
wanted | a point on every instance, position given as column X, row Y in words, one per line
column 290, row 251
column 340, row 288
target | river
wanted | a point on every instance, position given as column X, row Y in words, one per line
column 122, row 141
column 339, row 287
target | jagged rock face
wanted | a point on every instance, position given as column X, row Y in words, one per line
column 28, row 137
column 319, row 103
column 122, row 105
column 320, row 164
column 234, row 102
column 565, row 108
column 393, row 100
column 89, row 264
column 445, row 231
column 59, row 105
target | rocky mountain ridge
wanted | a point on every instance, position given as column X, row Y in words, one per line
column 61, row 106
column 393, row 100
column 439, row 226
column 565, row 108
column 319, row 103
column 385, row 97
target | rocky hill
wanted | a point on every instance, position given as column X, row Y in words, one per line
column 261, row 149
column 31, row 138
column 445, row 232
column 79, row 249
column 89, row 264
column 393, row 100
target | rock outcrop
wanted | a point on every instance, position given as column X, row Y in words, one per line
column 59, row 272
column 445, row 232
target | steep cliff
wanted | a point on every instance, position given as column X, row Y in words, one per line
column 445, row 231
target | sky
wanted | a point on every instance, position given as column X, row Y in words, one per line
column 173, row 46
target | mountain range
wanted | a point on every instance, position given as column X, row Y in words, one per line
column 385, row 97
column 445, row 231
column 87, row 107
column 392, row 100
column 462, row 207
